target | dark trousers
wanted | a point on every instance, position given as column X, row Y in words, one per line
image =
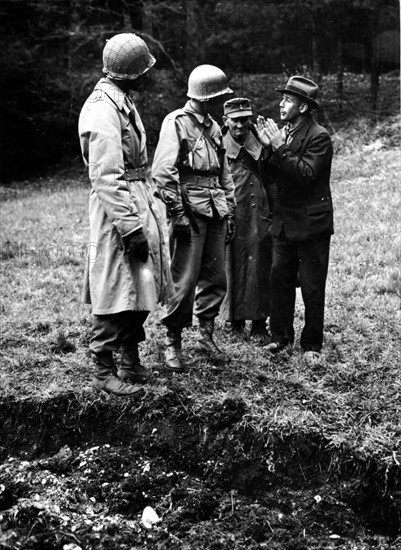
column 198, row 272
column 309, row 260
column 110, row 332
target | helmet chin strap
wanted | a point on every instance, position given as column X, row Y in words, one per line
column 200, row 107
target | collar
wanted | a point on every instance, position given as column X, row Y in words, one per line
column 251, row 145
column 205, row 120
column 112, row 91
column 291, row 130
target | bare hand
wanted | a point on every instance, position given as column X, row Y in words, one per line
column 260, row 128
column 274, row 133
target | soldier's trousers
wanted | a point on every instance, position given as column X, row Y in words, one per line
column 110, row 332
column 198, row 273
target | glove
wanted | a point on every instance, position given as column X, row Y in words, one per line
column 136, row 245
column 181, row 227
column 231, row 230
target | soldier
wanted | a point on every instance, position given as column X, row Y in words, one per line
column 249, row 255
column 194, row 181
column 127, row 267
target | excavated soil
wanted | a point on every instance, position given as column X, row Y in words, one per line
column 78, row 471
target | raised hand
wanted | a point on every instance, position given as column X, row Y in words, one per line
column 260, row 128
column 274, row 133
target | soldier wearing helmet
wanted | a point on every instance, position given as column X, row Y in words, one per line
column 127, row 263
column 192, row 175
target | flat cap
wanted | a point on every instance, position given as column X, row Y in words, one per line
column 238, row 106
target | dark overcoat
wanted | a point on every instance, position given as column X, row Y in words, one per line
column 301, row 171
column 248, row 261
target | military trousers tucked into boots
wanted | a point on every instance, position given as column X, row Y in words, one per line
column 117, row 330
column 198, row 272
column 111, row 333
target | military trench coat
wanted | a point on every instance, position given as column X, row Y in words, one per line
column 122, row 200
column 248, row 261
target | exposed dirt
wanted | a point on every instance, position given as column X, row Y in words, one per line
column 77, row 472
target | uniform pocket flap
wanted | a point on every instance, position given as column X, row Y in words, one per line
column 319, row 208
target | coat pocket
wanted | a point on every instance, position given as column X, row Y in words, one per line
column 319, row 208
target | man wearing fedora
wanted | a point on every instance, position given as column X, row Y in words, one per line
column 300, row 158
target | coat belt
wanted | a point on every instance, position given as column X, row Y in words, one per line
column 139, row 173
column 210, row 182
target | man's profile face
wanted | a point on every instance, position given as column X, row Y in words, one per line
column 290, row 107
column 238, row 127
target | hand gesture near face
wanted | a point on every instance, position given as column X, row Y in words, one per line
column 269, row 133
column 260, row 128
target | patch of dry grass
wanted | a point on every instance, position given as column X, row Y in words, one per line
column 353, row 401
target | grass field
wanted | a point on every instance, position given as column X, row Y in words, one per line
column 269, row 413
column 354, row 399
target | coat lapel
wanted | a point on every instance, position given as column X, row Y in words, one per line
column 299, row 137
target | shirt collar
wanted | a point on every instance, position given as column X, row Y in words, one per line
column 251, row 145
column 205, row 120
column 290, row 131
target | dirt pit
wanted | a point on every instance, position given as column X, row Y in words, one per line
column 79, row 474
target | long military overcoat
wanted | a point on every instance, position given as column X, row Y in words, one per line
column 248, row 261
column 122, row 200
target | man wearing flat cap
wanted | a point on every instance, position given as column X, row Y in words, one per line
column 300, row 158
column 248, row 260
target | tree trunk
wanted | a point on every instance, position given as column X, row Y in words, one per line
column 147, row 18
column 374, row 62
column 315, row 46
column 340, row 72
column 194, row 26
column 374, row 77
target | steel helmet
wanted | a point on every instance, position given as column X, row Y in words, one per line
column 126, row 56
column 206, row 82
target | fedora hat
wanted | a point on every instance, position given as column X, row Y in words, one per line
column 302, row 87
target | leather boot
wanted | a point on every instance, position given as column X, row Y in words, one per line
column 259, row 333
column 206, row 344
column 105, row 378
column 130, row 369
column 173, row 354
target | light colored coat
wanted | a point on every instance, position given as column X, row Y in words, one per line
column 168, row 169
column 113, row 141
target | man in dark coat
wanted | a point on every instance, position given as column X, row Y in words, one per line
column 301, row 156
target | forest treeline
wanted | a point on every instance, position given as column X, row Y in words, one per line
column 51, row 56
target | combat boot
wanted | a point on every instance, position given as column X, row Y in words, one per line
column 206, row 344
column 130, row 369
column 173, row 354
column 105, row 378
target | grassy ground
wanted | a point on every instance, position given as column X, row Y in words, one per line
column 354, row 399
column 269, row 427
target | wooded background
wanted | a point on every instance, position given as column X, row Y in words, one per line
column 51, row 57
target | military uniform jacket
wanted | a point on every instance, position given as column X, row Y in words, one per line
column 200, row 168
column 113, row 144
column 301, row 171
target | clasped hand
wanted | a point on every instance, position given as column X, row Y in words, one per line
column 269, row 133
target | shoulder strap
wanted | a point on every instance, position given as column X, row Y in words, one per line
column 209, row 138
